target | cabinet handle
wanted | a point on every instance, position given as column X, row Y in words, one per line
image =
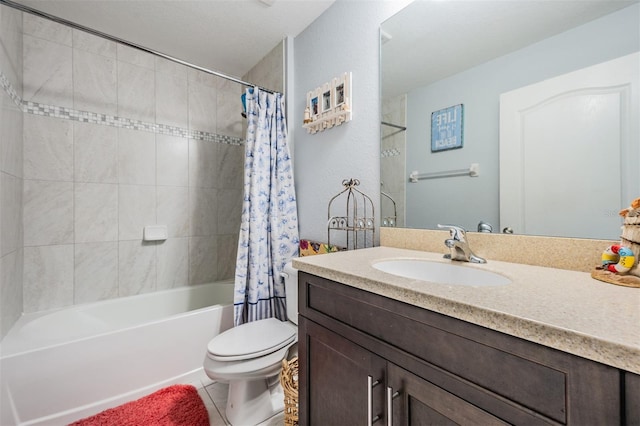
column 370, row 385
column 391, row 395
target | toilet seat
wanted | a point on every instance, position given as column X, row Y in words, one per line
column 251, row 369
column 251, row 340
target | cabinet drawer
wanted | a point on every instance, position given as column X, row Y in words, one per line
column 533, row 376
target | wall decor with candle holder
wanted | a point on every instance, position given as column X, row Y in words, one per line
column 328, row 105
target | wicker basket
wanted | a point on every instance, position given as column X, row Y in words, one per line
column 289, row 382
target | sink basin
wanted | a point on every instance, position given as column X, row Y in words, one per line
column 442, row 273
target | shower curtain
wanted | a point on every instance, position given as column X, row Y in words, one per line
column 269, row 228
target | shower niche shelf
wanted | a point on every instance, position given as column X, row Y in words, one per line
column 350, row 213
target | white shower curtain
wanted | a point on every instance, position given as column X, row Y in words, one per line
column 269, row 228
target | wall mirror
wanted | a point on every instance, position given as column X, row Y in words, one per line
column 486, row 56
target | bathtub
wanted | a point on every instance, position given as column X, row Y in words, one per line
column 63, row 365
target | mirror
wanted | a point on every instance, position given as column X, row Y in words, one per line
column 436, row 55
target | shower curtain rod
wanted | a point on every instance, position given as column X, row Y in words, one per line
column 32, row 11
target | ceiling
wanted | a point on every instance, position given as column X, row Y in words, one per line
column 231, row 36
column 432, row 39
column 228, row 36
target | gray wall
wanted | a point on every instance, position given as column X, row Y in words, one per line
column 450, row 200
column 11, row 181
column 345, row 38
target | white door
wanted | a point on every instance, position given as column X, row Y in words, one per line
column 569, row 152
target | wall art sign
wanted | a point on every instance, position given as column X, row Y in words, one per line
column 447, row 126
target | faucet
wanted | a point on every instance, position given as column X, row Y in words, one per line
column 484, row 227
column 459, row 246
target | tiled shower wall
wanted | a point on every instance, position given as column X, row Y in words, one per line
column 268, row 72
column 11, row 182
column 91, row 187
column 393, row 173
column 116, row 139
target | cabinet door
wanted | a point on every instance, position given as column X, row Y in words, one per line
column 334, row 379
column 420, row 402
column 632, row 399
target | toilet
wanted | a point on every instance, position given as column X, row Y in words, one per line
column 249, row 357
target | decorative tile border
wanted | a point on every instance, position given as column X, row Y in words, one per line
column 389, row 153
column 36, row 108
column 7, row 87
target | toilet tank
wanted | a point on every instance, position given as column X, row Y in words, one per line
column 290, row 276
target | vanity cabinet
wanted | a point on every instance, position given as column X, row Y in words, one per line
column 368, row 359
column 348, row 387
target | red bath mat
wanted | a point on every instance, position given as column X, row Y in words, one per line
column 177, row 405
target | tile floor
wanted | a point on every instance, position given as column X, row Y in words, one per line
column 214, row 395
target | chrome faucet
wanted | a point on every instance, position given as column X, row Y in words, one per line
column 459, row 246
column 484, row 227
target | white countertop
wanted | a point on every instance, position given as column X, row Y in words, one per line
column 565, row 310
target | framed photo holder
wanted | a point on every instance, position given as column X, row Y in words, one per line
column 447, row 128
column 328, row 105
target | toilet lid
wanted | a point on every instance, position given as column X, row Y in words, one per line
column 252, row 339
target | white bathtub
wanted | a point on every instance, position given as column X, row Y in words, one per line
column 63, row 365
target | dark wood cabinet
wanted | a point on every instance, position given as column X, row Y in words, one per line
column 415, row 401
column 367, row 359
column 348, row 379
column 632, row 399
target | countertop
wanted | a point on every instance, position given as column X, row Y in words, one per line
column 561, row 309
